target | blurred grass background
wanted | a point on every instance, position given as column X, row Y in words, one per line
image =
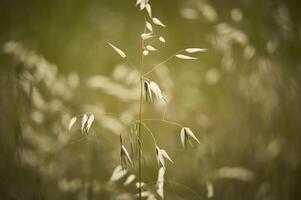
column 241, row 98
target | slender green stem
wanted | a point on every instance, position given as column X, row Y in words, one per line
column 165, row 121
column 148, row 129
column 164, row 112
column 130, row 63
column 152, row 41
column 164, row 61
column 140, row 114
column 82, row 137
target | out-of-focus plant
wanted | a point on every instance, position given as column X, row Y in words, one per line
column 252, row 77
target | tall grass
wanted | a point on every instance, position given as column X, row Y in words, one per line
column 149, row 90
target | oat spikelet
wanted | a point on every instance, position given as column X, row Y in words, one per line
column 124, row 155
column 161, row 154
column 181, row 56
column 145, row 52
column 129, row 179
column 84, row 121
column 210, row 190
column 146, row 36
column 160, row 182
column 149, row 10
column 158, row 22
column 119, row 51
column 157, row 91
column 185, row 135
column 147, row 91
column 89, row 122
column 117, row 174
column 150, row 48
column 194, row 50
column 71, row 123
column 149, row 26
column 162, row 39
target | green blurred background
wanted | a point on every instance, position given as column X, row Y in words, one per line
column 241, row 98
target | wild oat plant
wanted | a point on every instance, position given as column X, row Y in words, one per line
column 150, row 91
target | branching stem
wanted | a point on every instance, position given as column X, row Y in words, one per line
column 148, row 129
column 165, row 121
column 164, row 61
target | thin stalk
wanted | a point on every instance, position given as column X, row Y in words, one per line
column 140, row 115
column 164, row 61
column 165, row 121
column 130, row 63
column 151, row 133
column 152, row 41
